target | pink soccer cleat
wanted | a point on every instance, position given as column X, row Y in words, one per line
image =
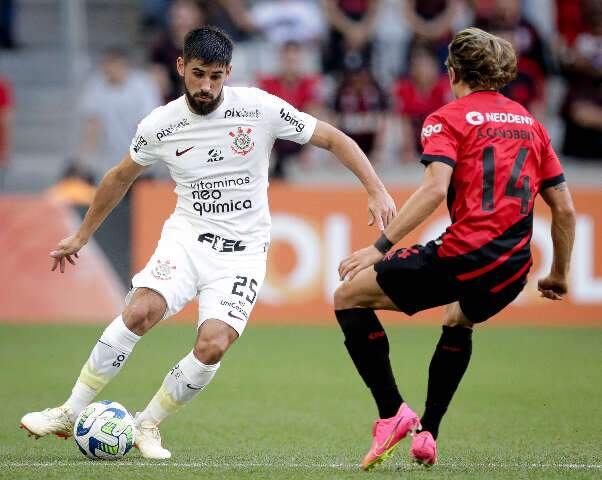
column 387, row 432
column 424, row 449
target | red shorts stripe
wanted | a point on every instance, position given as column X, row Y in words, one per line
column 501, row 259
column 513, row 278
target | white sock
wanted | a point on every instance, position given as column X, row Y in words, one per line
column 180, row 386
column 106, row 360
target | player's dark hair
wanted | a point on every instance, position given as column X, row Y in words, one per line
column 481, row 60
column 209, row 44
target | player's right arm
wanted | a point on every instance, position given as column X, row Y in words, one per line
column 111, row 190
column 558, row 198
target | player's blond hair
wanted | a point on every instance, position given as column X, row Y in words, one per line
column 481, row 60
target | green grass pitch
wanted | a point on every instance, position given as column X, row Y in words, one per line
column 287, row 403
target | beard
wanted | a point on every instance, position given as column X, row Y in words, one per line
column 202, row 107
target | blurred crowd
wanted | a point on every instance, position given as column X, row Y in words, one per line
column 327, row 57
column 344, row 85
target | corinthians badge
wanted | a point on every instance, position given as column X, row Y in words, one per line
column 163, row 270
column 242, row 143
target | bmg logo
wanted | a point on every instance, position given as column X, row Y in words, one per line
column 294, row 121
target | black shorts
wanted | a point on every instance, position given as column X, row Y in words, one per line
column 417, row 279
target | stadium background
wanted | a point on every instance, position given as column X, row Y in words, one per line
column 53, row 50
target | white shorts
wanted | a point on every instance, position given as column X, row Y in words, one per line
column 182, row 267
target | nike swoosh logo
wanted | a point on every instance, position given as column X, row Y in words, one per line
column 178, row 153
column 230, row 314
column 194, row 388
column 386, row 443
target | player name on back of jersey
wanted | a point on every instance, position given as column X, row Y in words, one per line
column 509, row 133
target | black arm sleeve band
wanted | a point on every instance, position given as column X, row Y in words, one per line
column 383, row 244
column 552, row 182
column 428, row 159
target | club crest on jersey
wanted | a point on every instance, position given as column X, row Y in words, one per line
column 242, row 143
column 162, row 270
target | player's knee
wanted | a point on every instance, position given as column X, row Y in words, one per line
column 458, row 323
column 454, row 317
column 343, row 297
column 141, row 316
column 210, row 350
column 136, row 318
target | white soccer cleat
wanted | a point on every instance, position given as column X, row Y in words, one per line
column 148, row 441
column 52, row 421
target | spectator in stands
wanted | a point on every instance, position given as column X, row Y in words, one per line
column 6, row 127
column 570, row 22
column 360, row 104
column 417, row 95
column 184, row 15
column 76, row 186
column 232, row 16
column 282, row 21
column 112, row 105
column 432, row 24
column 351, row 32
column 506, row 16
column 301, row 90
column 582, row 64
column 154, row 13
column 505, row 19
column 7, row 15
column 528, row 88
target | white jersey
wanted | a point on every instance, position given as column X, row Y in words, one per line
column 220, row 161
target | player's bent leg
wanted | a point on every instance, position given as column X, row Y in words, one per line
column 115, row 345
column 184, row 382
column 455, row 317
column 368, row 346
column 448, row 365
column 213, row 339
column 146, row 308
column 362, row 292
column 106, row 360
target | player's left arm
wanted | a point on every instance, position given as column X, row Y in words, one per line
column 380, row 203
column 559, row 199
column 556, row 194
column 421, row 204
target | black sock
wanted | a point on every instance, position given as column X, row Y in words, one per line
column 448, row 365
column 368, row 346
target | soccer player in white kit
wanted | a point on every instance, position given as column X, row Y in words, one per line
column 216, row 141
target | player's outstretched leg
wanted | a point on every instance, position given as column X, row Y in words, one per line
column 106, row 360
column 183, row 382
column 368, row 346
column 446, row 370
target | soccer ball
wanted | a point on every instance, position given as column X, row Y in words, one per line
column 104, row 431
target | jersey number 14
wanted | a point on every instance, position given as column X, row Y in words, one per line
column 512, row 190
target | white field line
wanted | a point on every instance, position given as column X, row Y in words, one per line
column 226, row 466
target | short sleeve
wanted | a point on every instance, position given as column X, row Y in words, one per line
column 552, row 172
column 142, row 150
column 286, row 122
column 438, row 141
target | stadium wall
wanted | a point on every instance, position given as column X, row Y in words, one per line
column 30, row 227
column 313, row 228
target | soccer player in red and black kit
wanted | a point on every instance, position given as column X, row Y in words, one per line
column 490, row 158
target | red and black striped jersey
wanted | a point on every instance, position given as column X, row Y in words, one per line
column 502, row 158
